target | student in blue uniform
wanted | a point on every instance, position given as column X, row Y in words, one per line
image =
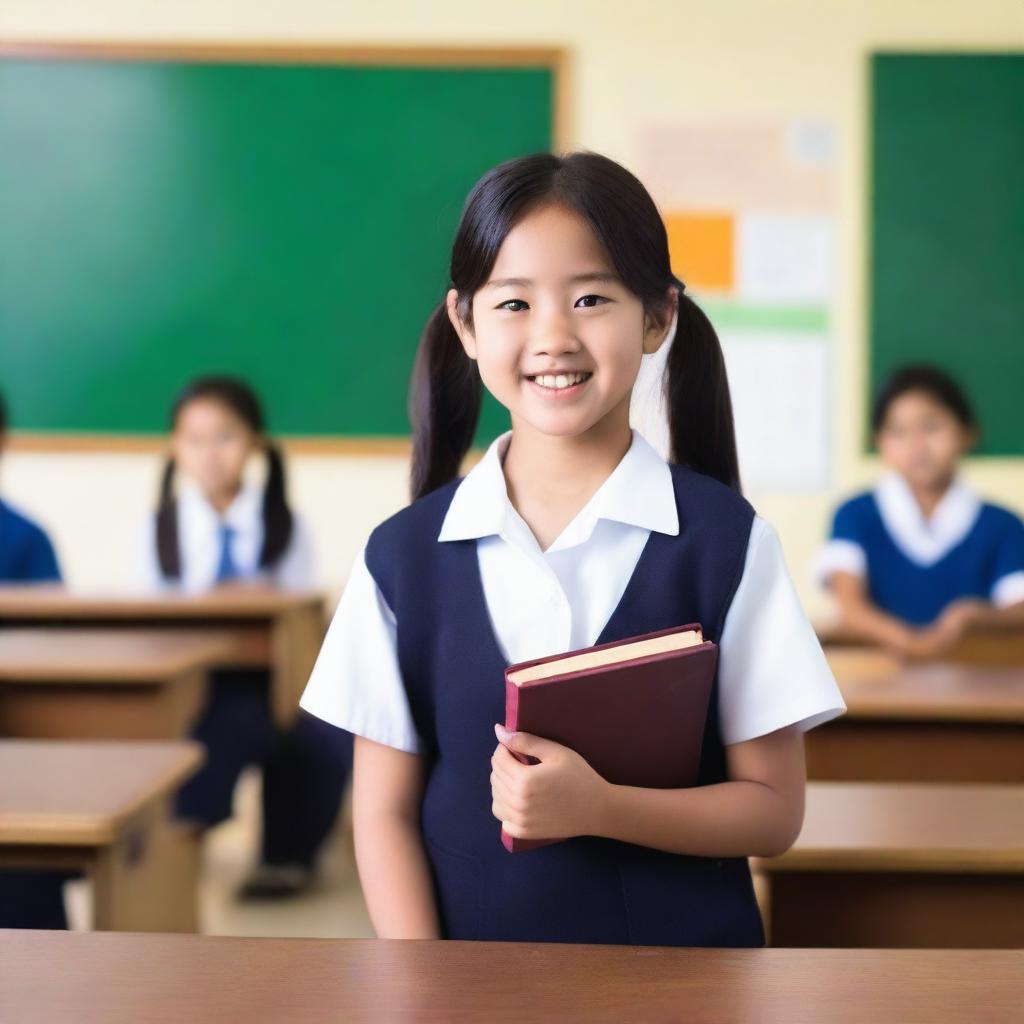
column 28, row 899
column 26, row 554
column 921, row 559
column 217, row 529
column 572, row 530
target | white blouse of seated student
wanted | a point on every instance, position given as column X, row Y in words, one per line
column 200, row 538
column 772, row 672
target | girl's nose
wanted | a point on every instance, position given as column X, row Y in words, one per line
column 554, row 335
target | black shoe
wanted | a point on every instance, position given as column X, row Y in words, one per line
column 276, row 882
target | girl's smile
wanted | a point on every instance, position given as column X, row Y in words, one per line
column 559, row 387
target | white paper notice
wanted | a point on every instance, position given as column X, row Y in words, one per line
column 779, row 384
column 784, row 258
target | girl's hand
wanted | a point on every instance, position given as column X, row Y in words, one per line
column 556, row 799
column 958, row 617
column 939, row 638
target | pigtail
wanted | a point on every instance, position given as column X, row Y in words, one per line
column 445, row 394
column 700, row 419
column 277, row 516
column 168, row 555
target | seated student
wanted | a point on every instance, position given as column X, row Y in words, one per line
column 28, row 899
column 217, row 529
column 921, row 559
column 26, row 554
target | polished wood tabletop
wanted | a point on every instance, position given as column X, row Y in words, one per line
column 877, row 685
column 274, row 629
column 105, row 655
column 879, row 826
column 71, row 793
column 145, row 979
column 52, row 601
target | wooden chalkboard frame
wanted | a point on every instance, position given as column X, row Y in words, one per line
column 555, row 58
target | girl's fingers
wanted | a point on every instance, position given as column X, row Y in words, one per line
column 503, row 794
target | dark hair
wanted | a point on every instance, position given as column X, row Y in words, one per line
column 277, row 516
column 445, row 392
column 935, row 383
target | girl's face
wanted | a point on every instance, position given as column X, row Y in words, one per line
column 922, row 440
column 211, row 444
column 557, row 336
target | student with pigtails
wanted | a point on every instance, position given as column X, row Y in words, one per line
column 213, row 528
column 570, row 531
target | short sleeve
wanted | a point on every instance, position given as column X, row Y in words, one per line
column 356, row 683
column 39, row 561
column 772, row 671
column 844, row 551
column 1008, row 566
column 144, row 567
column 297, row 568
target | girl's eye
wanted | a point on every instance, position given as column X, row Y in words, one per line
column 585, row 300
column 510, row 302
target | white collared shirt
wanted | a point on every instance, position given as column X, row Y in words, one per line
column 924, row 540
column 772, row 671
column 199, row 544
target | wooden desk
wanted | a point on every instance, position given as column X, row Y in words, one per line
column 104, row 683
column 102, row 808
column 978, row 647
column 279, row 630
column 901, row 865
column 67, row 978
column 939, row 722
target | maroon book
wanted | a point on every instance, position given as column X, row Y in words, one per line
column 634, row 709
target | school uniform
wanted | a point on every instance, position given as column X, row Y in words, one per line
column 452, row 589
column 305, row 768
column 26, row 553
column 29, row 899
column 915, row 566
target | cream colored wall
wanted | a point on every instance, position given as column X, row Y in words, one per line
column 631, row 63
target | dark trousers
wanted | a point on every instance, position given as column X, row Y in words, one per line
column 33, row 899
column 304, row 768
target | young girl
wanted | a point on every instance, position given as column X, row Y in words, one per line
column 571, row 531
column 214, row 530
column 921, row 559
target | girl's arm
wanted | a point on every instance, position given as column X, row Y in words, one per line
column 393, row 869
column 858, row 615
column 759, row 812
column 865, row 620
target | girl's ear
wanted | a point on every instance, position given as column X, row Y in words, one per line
column 464, row 333
column 658, row 327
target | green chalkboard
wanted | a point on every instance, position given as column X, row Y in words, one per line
column 947, row 246
column 289, row 222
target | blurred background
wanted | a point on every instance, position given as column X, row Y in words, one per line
column 270, row 189
column 751, row 123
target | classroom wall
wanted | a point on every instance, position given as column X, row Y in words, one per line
column 642, row 62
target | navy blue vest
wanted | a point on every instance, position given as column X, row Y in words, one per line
column 587, row 888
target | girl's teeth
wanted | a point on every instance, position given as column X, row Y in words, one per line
column 560, row 380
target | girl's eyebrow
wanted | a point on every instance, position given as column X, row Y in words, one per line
column 525, row 282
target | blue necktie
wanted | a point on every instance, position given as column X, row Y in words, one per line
column 226, row 568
